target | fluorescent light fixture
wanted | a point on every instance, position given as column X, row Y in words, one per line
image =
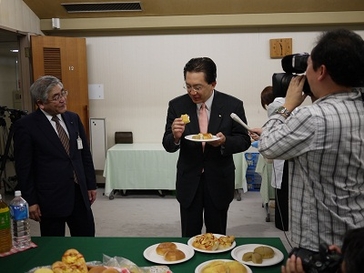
column 14, row 50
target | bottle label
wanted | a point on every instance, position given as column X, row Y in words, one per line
column 19, row 212
column 4, row 219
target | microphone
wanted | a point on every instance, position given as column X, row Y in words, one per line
column 238, row 120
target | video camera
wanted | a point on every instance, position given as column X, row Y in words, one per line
column 292, row 64
column 324, row 261
column 14, row 114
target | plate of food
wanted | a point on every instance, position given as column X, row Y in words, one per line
column 200, row 137
column 257, row 255
column 212, row 243
column 168, row 253
column 222, row 265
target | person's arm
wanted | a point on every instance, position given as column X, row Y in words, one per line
column 23, row 153
column 174, row 129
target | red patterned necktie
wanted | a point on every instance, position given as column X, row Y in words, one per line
column 203, row 121
column 62, row 135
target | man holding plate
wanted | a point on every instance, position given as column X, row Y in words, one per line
column 205, row 169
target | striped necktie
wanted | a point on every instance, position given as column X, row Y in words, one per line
column 62, row 135
column 65, row 140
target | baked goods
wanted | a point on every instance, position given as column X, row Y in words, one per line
column 225, row 242
column 202, row 136
column 247, row 256
column 97, row 269
column 258, row 255
column 43, row 270
column 214, row 267
column 162, row 248
column 61, row 267
column 174, row 255
column 266, row 251
column 110, row 270
column 206, row 241
column 224, row 267
column 209, row 241
column 185, row 118
column 72, row 262
column 257, row 258
column 236, row 267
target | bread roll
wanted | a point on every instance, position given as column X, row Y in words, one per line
column 265, row 251
column 174, row 255
column 97, row 269
column 247, row 257
column 162, row 248
column 257, row 258
column 185, row 118
column 110, row 270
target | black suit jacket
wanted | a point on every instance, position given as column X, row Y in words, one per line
column 45, row 171
column 217, row 162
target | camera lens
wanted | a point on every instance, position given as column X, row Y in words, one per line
column 280, row 83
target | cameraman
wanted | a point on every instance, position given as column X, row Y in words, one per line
column 323, row 142
column 352, row 253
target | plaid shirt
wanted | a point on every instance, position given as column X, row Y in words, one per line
column 324, row 143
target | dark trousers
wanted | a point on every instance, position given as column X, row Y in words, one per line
column 80, row 222
column 202, row 208
column 281, row 209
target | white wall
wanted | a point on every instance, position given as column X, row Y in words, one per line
column 16, row 15
column 142, row 73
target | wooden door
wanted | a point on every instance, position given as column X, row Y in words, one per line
column 64, row 58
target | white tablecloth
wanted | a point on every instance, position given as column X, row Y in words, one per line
column 148, row 166
column 264, row 168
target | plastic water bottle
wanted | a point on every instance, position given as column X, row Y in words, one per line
column 5, row 227
column 19, row 211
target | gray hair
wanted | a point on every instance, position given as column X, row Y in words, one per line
column 42, row 86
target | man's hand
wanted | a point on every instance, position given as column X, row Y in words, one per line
column 295, row 95
column 34, row 212
column 219, row 141
column 178, row 127
column 293, row 265
column 92, row 196
column 255, row 133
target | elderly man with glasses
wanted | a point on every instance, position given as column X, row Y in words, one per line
column 53, row 163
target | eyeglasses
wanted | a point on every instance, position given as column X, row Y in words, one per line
column 196, row 88
column 57, row 97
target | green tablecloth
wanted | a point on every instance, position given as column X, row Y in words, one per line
column 50, row 249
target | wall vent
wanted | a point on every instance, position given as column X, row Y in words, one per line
column 102, row 7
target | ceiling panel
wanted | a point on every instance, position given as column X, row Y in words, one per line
column 46, row 9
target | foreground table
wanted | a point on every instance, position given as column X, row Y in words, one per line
column 50, row 249
column 147, row 166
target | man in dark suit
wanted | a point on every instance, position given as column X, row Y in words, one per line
column 205, row 171
column 53, row 163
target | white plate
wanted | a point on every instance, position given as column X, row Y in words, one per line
column 189, row 137
column 191, row 240
column 238, row 253
column 202, row 265
column 150, row 254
